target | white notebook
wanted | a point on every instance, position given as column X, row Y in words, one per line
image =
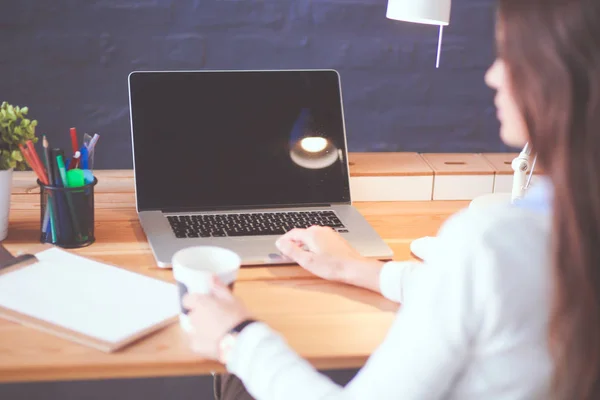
column 87, row 301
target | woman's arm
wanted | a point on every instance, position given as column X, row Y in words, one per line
column 325, row 253
column 423, row 353
column 391, row 279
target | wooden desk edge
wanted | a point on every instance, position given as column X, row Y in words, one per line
column 146, row 369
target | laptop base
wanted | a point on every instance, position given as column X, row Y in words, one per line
column 258, row 250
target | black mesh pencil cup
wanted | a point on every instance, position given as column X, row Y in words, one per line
column 67, row 215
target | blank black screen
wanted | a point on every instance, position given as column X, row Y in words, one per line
column 213, row 139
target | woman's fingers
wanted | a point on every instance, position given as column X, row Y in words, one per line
column 220, row 291
column 292, row 250
column 297, row 235
column 192, row 300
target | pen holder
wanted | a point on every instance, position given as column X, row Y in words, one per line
column 67, row 215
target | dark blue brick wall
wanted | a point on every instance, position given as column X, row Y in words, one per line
column 68, row 60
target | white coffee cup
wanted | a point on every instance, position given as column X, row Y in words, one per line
column 194, row 268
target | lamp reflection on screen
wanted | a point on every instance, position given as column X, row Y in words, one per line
column 313, row 144
column 314, row 152
column 309, row 148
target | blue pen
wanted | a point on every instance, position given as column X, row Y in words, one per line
column 83, row 160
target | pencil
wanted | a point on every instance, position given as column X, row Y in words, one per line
column 50, row 207
column 36, row 160
column 47, row 157
column 27, row 154
column 29, row 159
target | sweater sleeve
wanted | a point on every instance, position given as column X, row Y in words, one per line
column 396, row 278
column 422, row 354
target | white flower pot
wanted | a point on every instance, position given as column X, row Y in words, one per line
column 6, row 177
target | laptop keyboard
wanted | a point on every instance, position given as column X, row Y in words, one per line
column 255, row 224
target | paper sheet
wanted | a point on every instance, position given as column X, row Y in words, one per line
column 87, row 296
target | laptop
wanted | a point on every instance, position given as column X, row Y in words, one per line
column 237, row 158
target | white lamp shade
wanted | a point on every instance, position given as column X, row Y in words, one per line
column 435, row 12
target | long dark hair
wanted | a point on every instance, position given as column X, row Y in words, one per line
column 552, row 52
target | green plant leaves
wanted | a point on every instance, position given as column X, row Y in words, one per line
column 15, row 129
column 16, row 155
column 6, row 161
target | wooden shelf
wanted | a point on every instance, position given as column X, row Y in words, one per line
column 388, row 164
column 458, row 164
column 381, row 176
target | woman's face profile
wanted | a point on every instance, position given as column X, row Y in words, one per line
column 513, row 130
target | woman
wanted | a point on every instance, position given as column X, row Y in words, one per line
column 509, row 305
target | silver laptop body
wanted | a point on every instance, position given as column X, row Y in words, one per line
column 236, row 158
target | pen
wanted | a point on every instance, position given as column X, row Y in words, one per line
column 91, row 146
column 92, row 143
column 61, row 169
column 46, row 223
column 74, row 144
column 51, row 206
column 74, row 163
column 63, row 176
column 86, row 140
column 54, row 153
column 64, row 225
column 83, row 159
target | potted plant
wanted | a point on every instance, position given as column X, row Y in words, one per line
column 15, row 129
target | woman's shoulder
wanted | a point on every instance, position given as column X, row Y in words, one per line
column 496, row 225
column 498, row 259
column 498, row 245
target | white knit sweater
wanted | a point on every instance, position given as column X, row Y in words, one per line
column 472, row 324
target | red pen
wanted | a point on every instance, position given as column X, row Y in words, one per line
column 74, row 163
column 74, row 140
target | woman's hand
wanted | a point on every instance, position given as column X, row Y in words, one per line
column 212, row 316
column 325, row 253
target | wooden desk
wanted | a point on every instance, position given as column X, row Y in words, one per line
column 315, row 316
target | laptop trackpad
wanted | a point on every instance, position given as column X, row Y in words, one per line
column 277, row 257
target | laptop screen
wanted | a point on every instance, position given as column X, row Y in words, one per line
column 207, row 140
